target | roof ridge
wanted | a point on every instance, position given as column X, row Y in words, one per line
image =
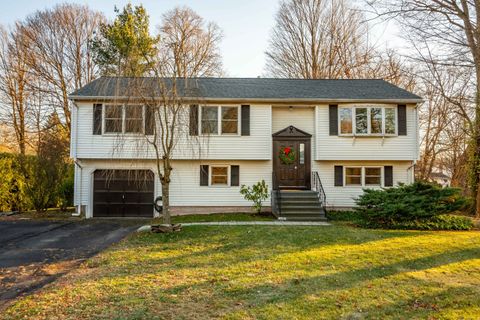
column 245, row 78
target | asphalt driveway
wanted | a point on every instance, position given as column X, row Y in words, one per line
column 34, row 253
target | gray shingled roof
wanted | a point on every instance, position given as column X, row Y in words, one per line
column 250, row 89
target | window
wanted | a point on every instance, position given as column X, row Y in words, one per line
column 367, row 120
column 301, row 153
column 353, row 176
column 363, row 176
column 389, row 121
column 229, row 120
column 219, row 176
column 209, row 120
column 373, row 176
column 133, row 119
column 113, row 118
column 219, row 120
column 346, row 120
column 123, row 119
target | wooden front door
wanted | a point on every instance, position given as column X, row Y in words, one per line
column 291, row 159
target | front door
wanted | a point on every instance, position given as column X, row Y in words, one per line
column 291, row 159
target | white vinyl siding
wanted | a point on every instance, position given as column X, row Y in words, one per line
column 256, row 146
column 185, row 189
column 367, row 147
column 343, row 197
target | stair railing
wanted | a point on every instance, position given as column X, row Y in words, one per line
column 276, row 196
column 318, row 187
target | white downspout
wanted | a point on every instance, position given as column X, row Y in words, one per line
column 79, row 177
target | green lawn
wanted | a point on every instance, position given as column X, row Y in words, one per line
column 265, row 272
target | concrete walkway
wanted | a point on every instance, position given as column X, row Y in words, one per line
column 258, row 223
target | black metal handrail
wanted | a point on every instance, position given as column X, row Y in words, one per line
column 276, row 195
column 318, row 187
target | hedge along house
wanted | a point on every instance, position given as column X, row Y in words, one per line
column 316, row 143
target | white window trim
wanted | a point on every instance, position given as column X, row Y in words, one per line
column 219, row 121
column 368, row 134
column 362, row 178
column 210, row 167
column 123, row 105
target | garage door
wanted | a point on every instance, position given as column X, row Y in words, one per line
column 123, row 193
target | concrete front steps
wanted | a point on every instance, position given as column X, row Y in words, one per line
column 301, row 205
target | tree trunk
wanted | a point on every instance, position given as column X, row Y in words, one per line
column 476, row 156
column 166, row 202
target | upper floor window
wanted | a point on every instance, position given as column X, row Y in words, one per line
column 219, row 120
column 367, row 120
column 123, row 118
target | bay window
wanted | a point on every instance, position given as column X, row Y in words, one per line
column 367, row 120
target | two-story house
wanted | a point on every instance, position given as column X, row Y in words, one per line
column 326, row 138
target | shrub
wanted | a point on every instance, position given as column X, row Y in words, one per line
column 12, row 185
column 256, row 193
column 65, row 190
column 410, row 206
column 441, row 222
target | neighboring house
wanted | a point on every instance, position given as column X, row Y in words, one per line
column 440, row 178
column 333, row 136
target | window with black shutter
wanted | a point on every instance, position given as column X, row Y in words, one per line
column 245, row 120
column 338, row 176
column 235, row 175
column 204, row 175
column 97, row 119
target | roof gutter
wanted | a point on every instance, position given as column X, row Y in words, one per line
column 244, row 100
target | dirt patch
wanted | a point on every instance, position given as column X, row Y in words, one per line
column 19, row 281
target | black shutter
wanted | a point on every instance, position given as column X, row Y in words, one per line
column 235, row 175
column 338, row 176
column 388, row 176
column 245, row 120
column 333, row 119
column 97, row 119
column 204, row 175
column 402, row 119
column 149, row 120
column 194, row 120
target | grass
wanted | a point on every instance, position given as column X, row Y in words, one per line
column 265, row 272
column 221, row 217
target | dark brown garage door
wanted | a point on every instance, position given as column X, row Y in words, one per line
column 123, row 193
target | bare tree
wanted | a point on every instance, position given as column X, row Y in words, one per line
column 447, row 30
column 189, row 44
column 14, row 80
column 318, row 39
column 58, row 51
column 188, row 49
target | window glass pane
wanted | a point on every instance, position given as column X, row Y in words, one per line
column 373, row 176
column 353, row 180
column 113, row 118
column 345, row 120
column 361, row 119
column 113, row 125
column 210, row 120
column 372, row 181
column 219, row 175
column 353, row 176
column 301, row 157
column 389, row 120
column 353, row 171
column 229, row 120
column 133, row 118
column 372, row 171
column 113, row 112
column 376, row 120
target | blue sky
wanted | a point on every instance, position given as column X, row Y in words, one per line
column 246, row 24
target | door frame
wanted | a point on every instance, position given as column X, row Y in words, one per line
column 292, row 133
